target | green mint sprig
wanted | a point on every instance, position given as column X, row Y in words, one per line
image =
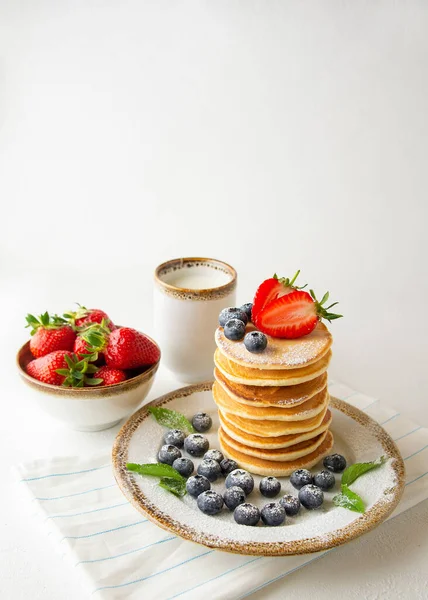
column 347, row 498
column 171, row 418
column 170, row 478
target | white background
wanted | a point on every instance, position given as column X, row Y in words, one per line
column 273, row 135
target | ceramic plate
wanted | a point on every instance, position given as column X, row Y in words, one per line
column 357, row 437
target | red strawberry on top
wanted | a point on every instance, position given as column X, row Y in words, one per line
column 269, row 290
column 294, row 315
column 110, row 376
column 85, row 316
column 63, row 368
column 49, row 333
column 128, row 349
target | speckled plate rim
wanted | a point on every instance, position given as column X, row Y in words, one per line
column 364, row 523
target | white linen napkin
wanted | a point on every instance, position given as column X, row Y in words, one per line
column 120, row 554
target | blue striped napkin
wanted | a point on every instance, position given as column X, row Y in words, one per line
column 120, row 554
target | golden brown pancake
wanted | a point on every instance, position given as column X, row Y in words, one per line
column 279, row 377
column 285, row 395
column 272, row 443
column 280, row 454
column 307, row 410
column 260, row 466
column 273, row 428
column 280, row 353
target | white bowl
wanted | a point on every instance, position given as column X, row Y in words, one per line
column 89, row 408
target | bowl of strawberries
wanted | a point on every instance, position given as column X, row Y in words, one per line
column 86, row 371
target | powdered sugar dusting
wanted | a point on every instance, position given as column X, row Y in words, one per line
column 279, row 353
column 356, row 442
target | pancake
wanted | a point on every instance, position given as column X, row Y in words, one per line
column 272, row 443
column 273, row 428
column 285, row 396
column 263, row 467
column 279, row 377
column 302, row 412
column 280, row 353
column 281, row 454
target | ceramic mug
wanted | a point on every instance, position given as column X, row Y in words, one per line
column 188, row 297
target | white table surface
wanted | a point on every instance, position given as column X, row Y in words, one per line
column 387, row 563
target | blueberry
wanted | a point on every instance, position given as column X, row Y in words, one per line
column 175, row 437
column 196, row 444
column 273, row 514
column 335, row 463
column 291, row 505
column 232, row 313
column 202, row 422
column 210, row 502
column 210, row 469
column 269, row 487
column 233, row 497
column 227, row 466
column 214, row 454
column 324, row 480
column 197, row 484
column 247, row 308
column 255, row 341
column 168, row 454
column 184, row 466
column 311, row 496
column 234, row 329
column 246, row 514
column 242, row 479
column 300, row 478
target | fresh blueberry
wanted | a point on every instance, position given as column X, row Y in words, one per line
column 324, row 480
column 247, row 308
column 175, row 437
column 184, row 466
column 300, row 478
column 291, row 505
column 311, row 496
column 214, row 454
column 273, row 514
column 197, row 484
column 255, row 341
column 210, row 502
column 227, row 466
column 210, row 469
column 168, row 454
column 269, row 487
column 234, row 329
column 246, row 514
column 232, row 313
column 335, row 463
column 202, row 422
column 196, row 444
column 242, row 479
column 233, row 497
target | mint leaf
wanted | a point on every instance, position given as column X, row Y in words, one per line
column 170, row 418
column 349, row 499
column 178, row 488
column 354, row 471
column 155, row 470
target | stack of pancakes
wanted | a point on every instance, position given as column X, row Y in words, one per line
column 273, row 406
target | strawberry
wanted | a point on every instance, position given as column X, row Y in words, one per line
column 128, row 349
column 271, row 289
column 91, row 342
column 85, row 316
column 294, row 315
column 110, row 376
column 49, row 333
column 62, row 368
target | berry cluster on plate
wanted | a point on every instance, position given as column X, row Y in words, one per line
column 85, row 348
column 280, row 309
